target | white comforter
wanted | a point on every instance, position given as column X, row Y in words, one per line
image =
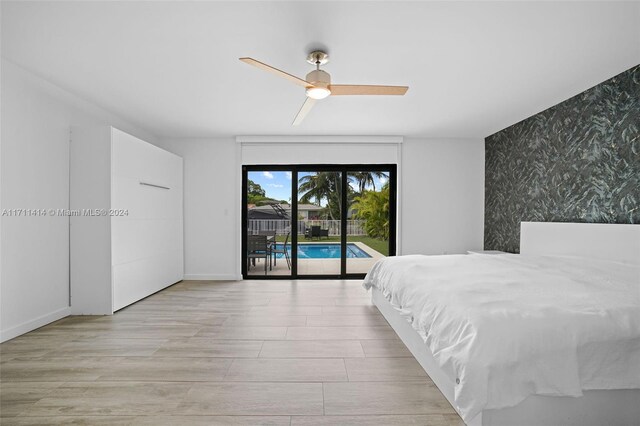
column 509, row 326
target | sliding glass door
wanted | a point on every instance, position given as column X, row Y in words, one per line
column 369, row 221
column 268, row 223
column 317, row 221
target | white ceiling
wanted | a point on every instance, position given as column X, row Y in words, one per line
column 473, row 68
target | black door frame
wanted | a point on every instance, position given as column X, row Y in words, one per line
column 392, row 169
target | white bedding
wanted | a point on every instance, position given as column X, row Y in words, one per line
column 508, row 326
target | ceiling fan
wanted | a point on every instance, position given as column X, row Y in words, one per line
column 318, row 84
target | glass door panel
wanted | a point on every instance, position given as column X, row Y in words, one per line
column 368, row 219
column 268, row 223
column 319, row 225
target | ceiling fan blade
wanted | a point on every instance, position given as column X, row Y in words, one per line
column 276, row 71
column 354, row 89
column 304, row 110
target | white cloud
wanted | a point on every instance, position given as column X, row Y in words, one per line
column 268, row 175
column 288, row 175
column 275, row 185
column 384, row 180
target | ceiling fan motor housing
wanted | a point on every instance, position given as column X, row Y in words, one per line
column 319, row 78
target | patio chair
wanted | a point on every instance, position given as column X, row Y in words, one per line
column 258, row 248
column 323, row 233
column 312, row 232
column 275, row 251
column 271, row 236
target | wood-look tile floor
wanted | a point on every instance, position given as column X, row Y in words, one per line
column 222, row 353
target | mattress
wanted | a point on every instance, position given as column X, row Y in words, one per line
column 504, row 327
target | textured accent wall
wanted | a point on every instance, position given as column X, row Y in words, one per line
column 578, row 161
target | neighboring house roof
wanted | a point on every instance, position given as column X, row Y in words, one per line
column 268, row 212
column 309, row 207
column 263, row 214
column 267, row 207
column 301, row 207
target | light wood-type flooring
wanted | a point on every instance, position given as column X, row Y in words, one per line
column 222, row 353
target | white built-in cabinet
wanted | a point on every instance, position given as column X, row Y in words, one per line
column 126, row 219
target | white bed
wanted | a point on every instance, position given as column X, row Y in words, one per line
column 551, row 336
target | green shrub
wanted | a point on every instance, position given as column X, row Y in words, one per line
column 373, row 206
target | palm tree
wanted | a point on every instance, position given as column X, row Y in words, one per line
column 364, row 179
column 322, row 186
column 315, row 186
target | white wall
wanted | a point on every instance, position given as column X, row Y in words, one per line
column 211, row 210
column 441, row 198
column 442, row 206
column 34, row 174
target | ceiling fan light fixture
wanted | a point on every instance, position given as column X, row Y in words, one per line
column 320, row 81
column 318, row 92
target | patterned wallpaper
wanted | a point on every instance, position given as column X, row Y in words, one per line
column 578, row 161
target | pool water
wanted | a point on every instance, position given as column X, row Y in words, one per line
column 325, row 251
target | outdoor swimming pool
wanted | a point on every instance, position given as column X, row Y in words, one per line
column 325, row 251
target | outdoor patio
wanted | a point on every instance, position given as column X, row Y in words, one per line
column 320, row 266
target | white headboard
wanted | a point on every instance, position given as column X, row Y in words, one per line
column 593, row 240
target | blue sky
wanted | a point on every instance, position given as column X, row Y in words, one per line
column 277, row 185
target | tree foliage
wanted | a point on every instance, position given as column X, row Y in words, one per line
column 364, row 179
column 257, row 195
column 255, row 189
column 316, row 187
column 320, row 186
column 326, row 187
column 373, row 207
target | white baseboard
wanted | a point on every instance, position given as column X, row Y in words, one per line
column 212, row 277
column 30, row 325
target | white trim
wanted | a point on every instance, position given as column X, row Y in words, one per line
column 212, row 277
column 247, row 140
column 31, row 325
